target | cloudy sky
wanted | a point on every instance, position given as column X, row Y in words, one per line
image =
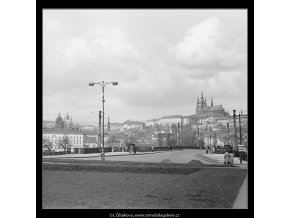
column 162, row 59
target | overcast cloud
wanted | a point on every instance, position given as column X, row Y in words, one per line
column 162, row 60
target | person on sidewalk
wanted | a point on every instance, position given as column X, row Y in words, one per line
column 152, row 148
column 231, row 158
column 227, row 158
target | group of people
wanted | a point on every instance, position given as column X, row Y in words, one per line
column 209, row 149
column 229, row 158
column 132, row 149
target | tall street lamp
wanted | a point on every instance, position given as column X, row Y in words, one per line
column 197, row 136
column 228, row 124
column 103, row 84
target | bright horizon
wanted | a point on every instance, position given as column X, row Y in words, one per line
column 162, row 60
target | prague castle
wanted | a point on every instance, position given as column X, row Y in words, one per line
column 203, row 110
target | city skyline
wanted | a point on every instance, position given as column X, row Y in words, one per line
column 162, row 59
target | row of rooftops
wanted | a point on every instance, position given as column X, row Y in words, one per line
column 67, row 131
column 89, row 132
column 200, row 116
column 131, row 122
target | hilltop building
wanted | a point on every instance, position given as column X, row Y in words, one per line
column 129, row 124
column 204, row 111
column 64, row 123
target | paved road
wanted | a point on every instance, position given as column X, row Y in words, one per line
column 175, row 156
column 184, row 156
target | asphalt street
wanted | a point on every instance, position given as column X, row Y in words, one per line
column 174, row 156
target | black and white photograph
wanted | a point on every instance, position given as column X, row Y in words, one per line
column 145, row 109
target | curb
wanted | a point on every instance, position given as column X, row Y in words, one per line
column 207, row 159
column 108, row 155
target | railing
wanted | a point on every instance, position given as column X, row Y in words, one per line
column 49, row 153
column 120, row 149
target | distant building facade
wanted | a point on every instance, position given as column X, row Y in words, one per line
column 116, row 126
column 151, row 123
column 91, row 139
column 48, row 124
column 74, row 138
column 129, row 124
column 169, row 120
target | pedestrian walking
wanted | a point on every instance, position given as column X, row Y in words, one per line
column 152, row 148
column 227, row 158
column 135, row 149
column 241, row 156
column 231, row 158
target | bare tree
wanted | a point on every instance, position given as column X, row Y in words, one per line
column 64, row 142
column 47, row 144
column 112, row 139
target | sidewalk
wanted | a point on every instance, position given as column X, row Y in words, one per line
column 107, row 154
column 219, row 158
column 241, row 201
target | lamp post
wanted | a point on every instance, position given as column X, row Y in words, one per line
column 235, row 131
column 228, row 133
column 103, row 84
column 240, row 129
column 197, row 136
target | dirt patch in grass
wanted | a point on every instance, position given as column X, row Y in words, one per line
column 195, row 162
column 166, row 161
column 206, row 188
column 150, row 196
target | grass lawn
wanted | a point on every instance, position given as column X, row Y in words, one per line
column 200, row 188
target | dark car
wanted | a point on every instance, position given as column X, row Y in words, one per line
column 228, row 147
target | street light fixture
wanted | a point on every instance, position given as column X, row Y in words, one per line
column 103, row 84
column 228, row 127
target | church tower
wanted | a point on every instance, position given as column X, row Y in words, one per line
column 68, row 122
column 59, row 123
column 201, row 100
column 211, row 104
column 197, row 106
